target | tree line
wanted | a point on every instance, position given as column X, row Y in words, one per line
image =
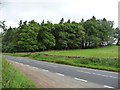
column 33, row 36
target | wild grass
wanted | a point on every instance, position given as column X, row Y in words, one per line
column 0, row 71
column 105, row 58
column 12, row 78
column 110, row 64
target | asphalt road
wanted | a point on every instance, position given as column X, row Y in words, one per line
column 106, row 78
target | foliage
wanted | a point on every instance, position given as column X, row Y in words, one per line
column 117, row 36
column 32, row 36
column 45, row 38
column 26, row 37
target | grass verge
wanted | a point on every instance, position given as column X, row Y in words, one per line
column 12, row 78
column 0, row 71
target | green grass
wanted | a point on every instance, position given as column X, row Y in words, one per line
column 109, row 51
column 110, row 64
column 12, row 78
column 105, row 58
column 0, row 71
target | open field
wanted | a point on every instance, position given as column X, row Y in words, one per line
column 105, row 58
column 109, row 51
column 12, row 78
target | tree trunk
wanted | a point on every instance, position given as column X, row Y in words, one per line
column 118, row 42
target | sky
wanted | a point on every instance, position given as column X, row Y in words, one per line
column 12, row 11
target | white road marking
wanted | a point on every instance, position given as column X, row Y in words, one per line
column 50, row 65
column 97, row 74
column 99, row 70
column 16, row 62
column 81, row 79
column 84, row 72
column 108, row 86
column 35, row 67
column 60, row 74
column 28, row 65
column 47, row 63
column 21, row 64
column 45, row 70
column 104, row 75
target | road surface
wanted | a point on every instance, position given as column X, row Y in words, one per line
column 97, row 78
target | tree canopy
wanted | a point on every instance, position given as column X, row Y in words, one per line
column 32, row 36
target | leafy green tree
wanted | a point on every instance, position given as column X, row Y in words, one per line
column 9, row 40
column 117, row 36
column 45, row 38
column 106, row 32
column 68, row 35
column 27, row 37
column 91, row 33
column 32, row 36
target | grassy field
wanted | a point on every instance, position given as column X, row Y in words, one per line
column 110, row 51
column 105, row 58
column 12, row 78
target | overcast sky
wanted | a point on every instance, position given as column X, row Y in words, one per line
column 12, row 11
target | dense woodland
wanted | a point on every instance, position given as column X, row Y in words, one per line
column 32, row 36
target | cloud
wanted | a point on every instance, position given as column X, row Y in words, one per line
column 54, row 10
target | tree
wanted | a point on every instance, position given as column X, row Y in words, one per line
column 45, row 38
column 68, row 21
column 43, row 22
column 106, row 32
column 117, row 36
column 3, row 27
column 61, row 21
column 68, row 35
column 9, row 40
column 82, row 20
column 27, row 37
column 32, row 36
column 91, row 33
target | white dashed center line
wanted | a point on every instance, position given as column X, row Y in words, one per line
column 35, row 67
column 84, row 72
column 60, row 74
column 16, row 62
column 108, row 86
column 27, row 65
column 50, row 65
column 98, row 74
column 45, row 70
column 81, row 79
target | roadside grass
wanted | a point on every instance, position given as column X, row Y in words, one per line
column 0, row 71
column 81, row 58
column 12, row 78
column 109, row 51
column 110, row 64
